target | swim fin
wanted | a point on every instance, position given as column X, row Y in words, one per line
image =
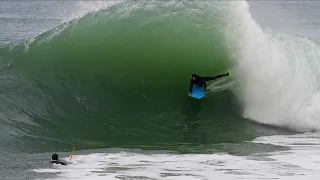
column 229, row 71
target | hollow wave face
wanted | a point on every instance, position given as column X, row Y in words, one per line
column 122, row 72
column 119, row 76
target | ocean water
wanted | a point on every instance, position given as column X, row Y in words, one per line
column 112, row 77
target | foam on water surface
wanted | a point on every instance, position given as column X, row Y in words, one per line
column 300, row 161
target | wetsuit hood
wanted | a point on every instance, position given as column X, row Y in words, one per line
column 194, row 75
column 55, row 157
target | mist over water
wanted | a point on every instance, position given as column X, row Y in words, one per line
column 277, row 74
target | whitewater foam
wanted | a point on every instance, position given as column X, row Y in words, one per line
column 300, row 161
column 277, row 74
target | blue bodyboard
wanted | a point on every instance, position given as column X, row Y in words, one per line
column 197, row 92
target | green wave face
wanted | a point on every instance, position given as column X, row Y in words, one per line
column 120, row 77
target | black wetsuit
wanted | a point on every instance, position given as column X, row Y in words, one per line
column 58, row 162
column 55, row 160
column 201, row 81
